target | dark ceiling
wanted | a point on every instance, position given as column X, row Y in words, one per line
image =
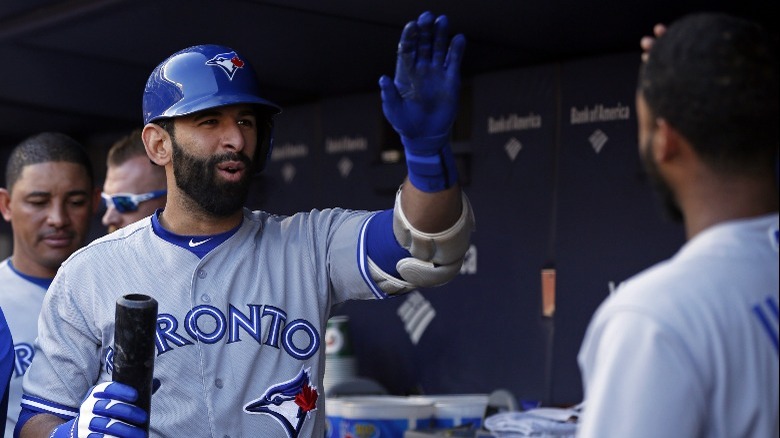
column 79, row 66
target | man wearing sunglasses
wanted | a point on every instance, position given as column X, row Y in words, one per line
column 134, row 186
column 49, row 199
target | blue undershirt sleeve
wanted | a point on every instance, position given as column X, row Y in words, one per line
column 381, row 244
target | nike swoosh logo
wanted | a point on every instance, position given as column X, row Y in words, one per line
column 193, row 243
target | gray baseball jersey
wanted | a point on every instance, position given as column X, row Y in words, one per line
column 689, row 348
column 21, row 299
column 239, row 336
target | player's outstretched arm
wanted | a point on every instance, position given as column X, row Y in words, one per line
column 432, row 219
column 107, row 410
column 421, row 103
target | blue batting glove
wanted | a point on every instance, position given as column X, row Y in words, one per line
column 422, row 100
column 106, row 412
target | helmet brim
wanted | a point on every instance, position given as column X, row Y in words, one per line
column 192, row 106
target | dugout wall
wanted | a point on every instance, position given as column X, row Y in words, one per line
column 551, row 168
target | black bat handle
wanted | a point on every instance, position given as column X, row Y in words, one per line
column 134, row 347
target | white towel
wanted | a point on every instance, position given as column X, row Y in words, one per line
column 539, row 422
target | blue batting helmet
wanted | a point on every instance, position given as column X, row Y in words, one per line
column 203, row 77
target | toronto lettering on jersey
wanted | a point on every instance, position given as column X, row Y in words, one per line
column 599, row 113
column 513, row 122
column 345, row 144
column 298, row 338
column 289, row 151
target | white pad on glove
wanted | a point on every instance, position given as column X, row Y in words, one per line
column 386, row 282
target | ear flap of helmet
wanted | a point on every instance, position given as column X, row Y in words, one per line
column 265, row 142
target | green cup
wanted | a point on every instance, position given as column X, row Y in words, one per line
column 337, row 341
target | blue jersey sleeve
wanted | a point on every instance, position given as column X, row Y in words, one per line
column 6, row 365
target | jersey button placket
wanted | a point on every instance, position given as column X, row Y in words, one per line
column 201, row 275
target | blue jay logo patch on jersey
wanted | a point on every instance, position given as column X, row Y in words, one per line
column 289, row 403
column 228, row 62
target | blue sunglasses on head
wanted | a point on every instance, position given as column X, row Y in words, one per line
column 128, row 202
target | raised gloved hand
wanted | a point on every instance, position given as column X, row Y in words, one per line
column 422, row 100
column 106, row 412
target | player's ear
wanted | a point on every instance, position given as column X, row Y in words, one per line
column 5, row 204
column 668, row 142
column 96, row 200
column 158, row 144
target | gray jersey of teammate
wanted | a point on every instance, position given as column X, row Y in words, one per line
column 690, row 358
column 258, row 301
column 21, row 308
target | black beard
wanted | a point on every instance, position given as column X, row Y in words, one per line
column 665, row 195
column 197, row 179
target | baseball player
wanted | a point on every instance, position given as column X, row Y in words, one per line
column 6, row 365
column 244, row 296
column 689, row 347
column 134, row 187
column 49, row 199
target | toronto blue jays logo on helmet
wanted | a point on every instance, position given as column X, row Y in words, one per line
column 229, row 63
column 288, row 402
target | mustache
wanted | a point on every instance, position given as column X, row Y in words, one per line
column 58, row 234
column 231, row 156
